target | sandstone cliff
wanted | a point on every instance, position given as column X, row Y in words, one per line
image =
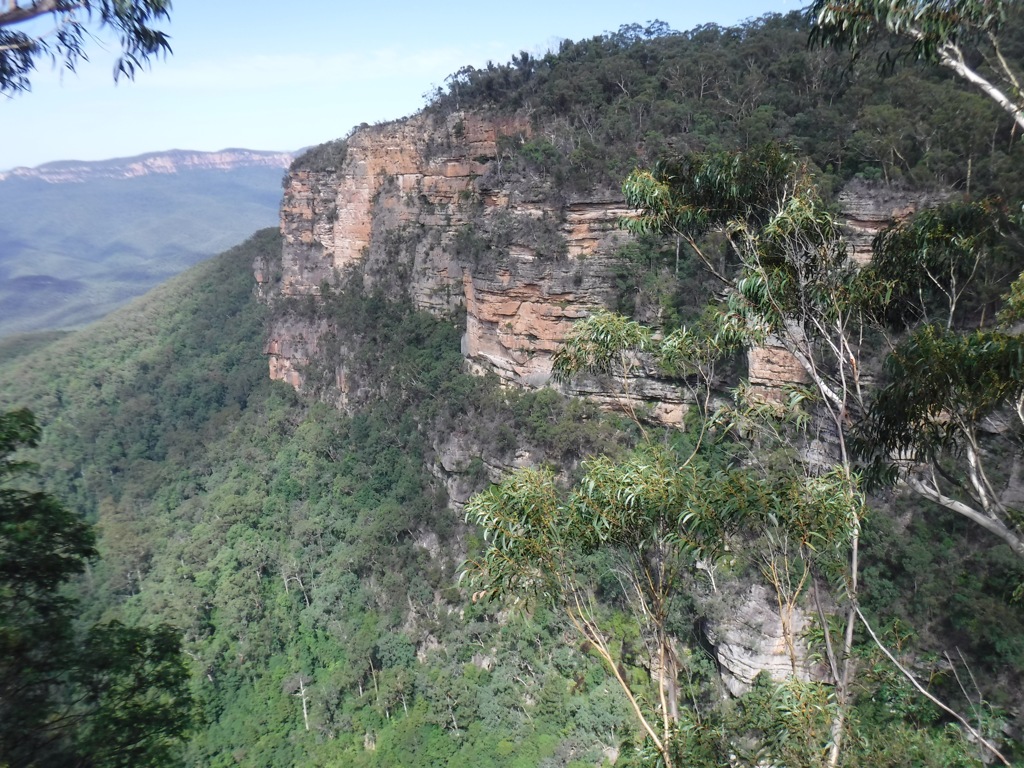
column 429, row 210
column 438, row 212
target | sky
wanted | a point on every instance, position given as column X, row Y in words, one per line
column 286, row 74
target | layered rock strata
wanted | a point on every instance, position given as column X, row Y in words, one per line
column 427, row 210
column 437, row 212
column 870, row 208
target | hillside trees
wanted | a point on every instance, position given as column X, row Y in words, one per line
column 60, row 30
column 785, row 284
column 947, row 383
column 115, row 695
column 305, row 553
column 603, row 105
column 648, row 515
column 964, row 36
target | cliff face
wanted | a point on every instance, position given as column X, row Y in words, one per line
column 437, row 212
column 870, row 208
column 428, row 210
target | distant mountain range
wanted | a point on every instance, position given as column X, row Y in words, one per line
column 172, row 161
column 78, row 239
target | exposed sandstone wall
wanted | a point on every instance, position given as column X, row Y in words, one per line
column 423, row 209
column 753, row 638
column 427, row 209
column 867, row 209
column 870, row 208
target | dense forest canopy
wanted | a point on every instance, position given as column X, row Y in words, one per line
column 309, row 558
column 615, row 101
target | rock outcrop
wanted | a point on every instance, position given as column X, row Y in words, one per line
column 870, row 208
column 426, row 209
column 755, row 638
column 435, row 211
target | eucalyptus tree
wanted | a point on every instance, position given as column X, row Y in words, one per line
column 658, row 516
column 60, row 29
column 950, row 386
column 947, row 420
column 666, row 520
column 785, row 283
column 968, row 37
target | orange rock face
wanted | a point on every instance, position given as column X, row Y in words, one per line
column 772, row 367
column 398, row 215
column 434, row 210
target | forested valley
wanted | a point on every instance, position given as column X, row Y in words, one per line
column 299, row 587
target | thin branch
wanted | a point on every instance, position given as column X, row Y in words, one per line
column 16, row 14
column 992, row 525
column 589, row 631
column 913, row 681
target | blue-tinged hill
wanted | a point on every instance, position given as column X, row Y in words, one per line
column 79, row 239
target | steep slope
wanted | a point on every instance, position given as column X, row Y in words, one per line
column 302, row 551
column 307, row 544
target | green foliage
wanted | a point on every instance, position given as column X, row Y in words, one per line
column 597, row 342
column 701, row 192
column 42, row 545
column 657, row 282
column 116, row 696
column 134, row 684
column 131, row 22
column 329, row 156
column 934, row 265
column 603, row 105
column 791, row 721
column 1013, row 308
column 939, row 378
column 926, row 28
column 292, row 542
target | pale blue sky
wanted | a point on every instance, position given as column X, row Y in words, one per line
column 283, row 74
